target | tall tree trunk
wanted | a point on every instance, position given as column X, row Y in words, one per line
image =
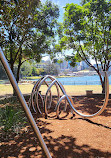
column 102, row 80
column 18, row 73
column 18, row 70
column 103, row 85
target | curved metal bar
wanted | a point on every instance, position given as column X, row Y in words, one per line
column 36, row 90
column 101, row 109
column 62, row 89
column 36, row 87
column 37, row 96
column 65, row 105
column 68, row 98
column 104, row 104
column 58, row 93
column 58, row 104
column 33, row 92
column 43, row 101
column 43, row 80
column 30, row 102
column 46, row 96
column 37, row 102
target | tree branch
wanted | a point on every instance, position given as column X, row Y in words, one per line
column 85, row 59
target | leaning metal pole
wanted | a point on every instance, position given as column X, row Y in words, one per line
column 24, row 104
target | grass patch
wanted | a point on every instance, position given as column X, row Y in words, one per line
column 74, row 89
column 33, row 77
column 12, row 117
column 6, row 89
column 64, row 76
column 70, row 89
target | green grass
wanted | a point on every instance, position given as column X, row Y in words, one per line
column 33, row 77
column 70, row 89
column 12, row 119
column 6, row 89
column 37, row 77
column 64, row 76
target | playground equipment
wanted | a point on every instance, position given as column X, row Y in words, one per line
column 23, row 103
column 36, row 93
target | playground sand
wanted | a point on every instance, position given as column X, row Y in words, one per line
column 68, row 137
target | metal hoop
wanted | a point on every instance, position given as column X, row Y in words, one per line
column 64, row 96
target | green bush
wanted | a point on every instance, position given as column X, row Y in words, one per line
column 11, row 119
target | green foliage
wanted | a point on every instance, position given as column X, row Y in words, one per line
column 37, row 71
column 26, row 69
column 59, row 61
column 73, row 59
column 11, row 119
column 87, row 30
column 27, row 29
column 34, row 71
column 2, row 72
column 51, row 69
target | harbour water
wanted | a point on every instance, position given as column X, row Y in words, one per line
column 83, row 80
column 79, row 80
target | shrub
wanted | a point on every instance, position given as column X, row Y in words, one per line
column 11, row 119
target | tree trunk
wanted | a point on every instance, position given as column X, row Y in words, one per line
column 18, row 72
column 102, row 80
column 17, row 79
column 103, row 85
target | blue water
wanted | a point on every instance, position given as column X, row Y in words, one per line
column 83, row 80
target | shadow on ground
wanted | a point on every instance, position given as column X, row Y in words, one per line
column 26, row 145
column 90, row 105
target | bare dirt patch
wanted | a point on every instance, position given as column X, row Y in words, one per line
column 68, row 137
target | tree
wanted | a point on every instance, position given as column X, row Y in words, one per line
column 51, row 69
column 87, row 30
column 16, row 26
column 2, row 72
column 27, row 28
column 26, row 69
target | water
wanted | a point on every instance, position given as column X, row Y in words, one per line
column 83, row 80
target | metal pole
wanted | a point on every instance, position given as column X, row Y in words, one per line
column 24, row 104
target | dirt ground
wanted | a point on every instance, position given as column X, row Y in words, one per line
column 67, row 137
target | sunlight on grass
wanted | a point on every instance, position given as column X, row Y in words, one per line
column 70, row 89
column 7, row 89
column 32, row 78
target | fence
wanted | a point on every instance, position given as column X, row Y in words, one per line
column 81, row 83
column 63, row 82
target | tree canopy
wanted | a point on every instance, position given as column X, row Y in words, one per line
column 27, row 29
column 87, row 30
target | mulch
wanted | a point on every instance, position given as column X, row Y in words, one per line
column 67, row 137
